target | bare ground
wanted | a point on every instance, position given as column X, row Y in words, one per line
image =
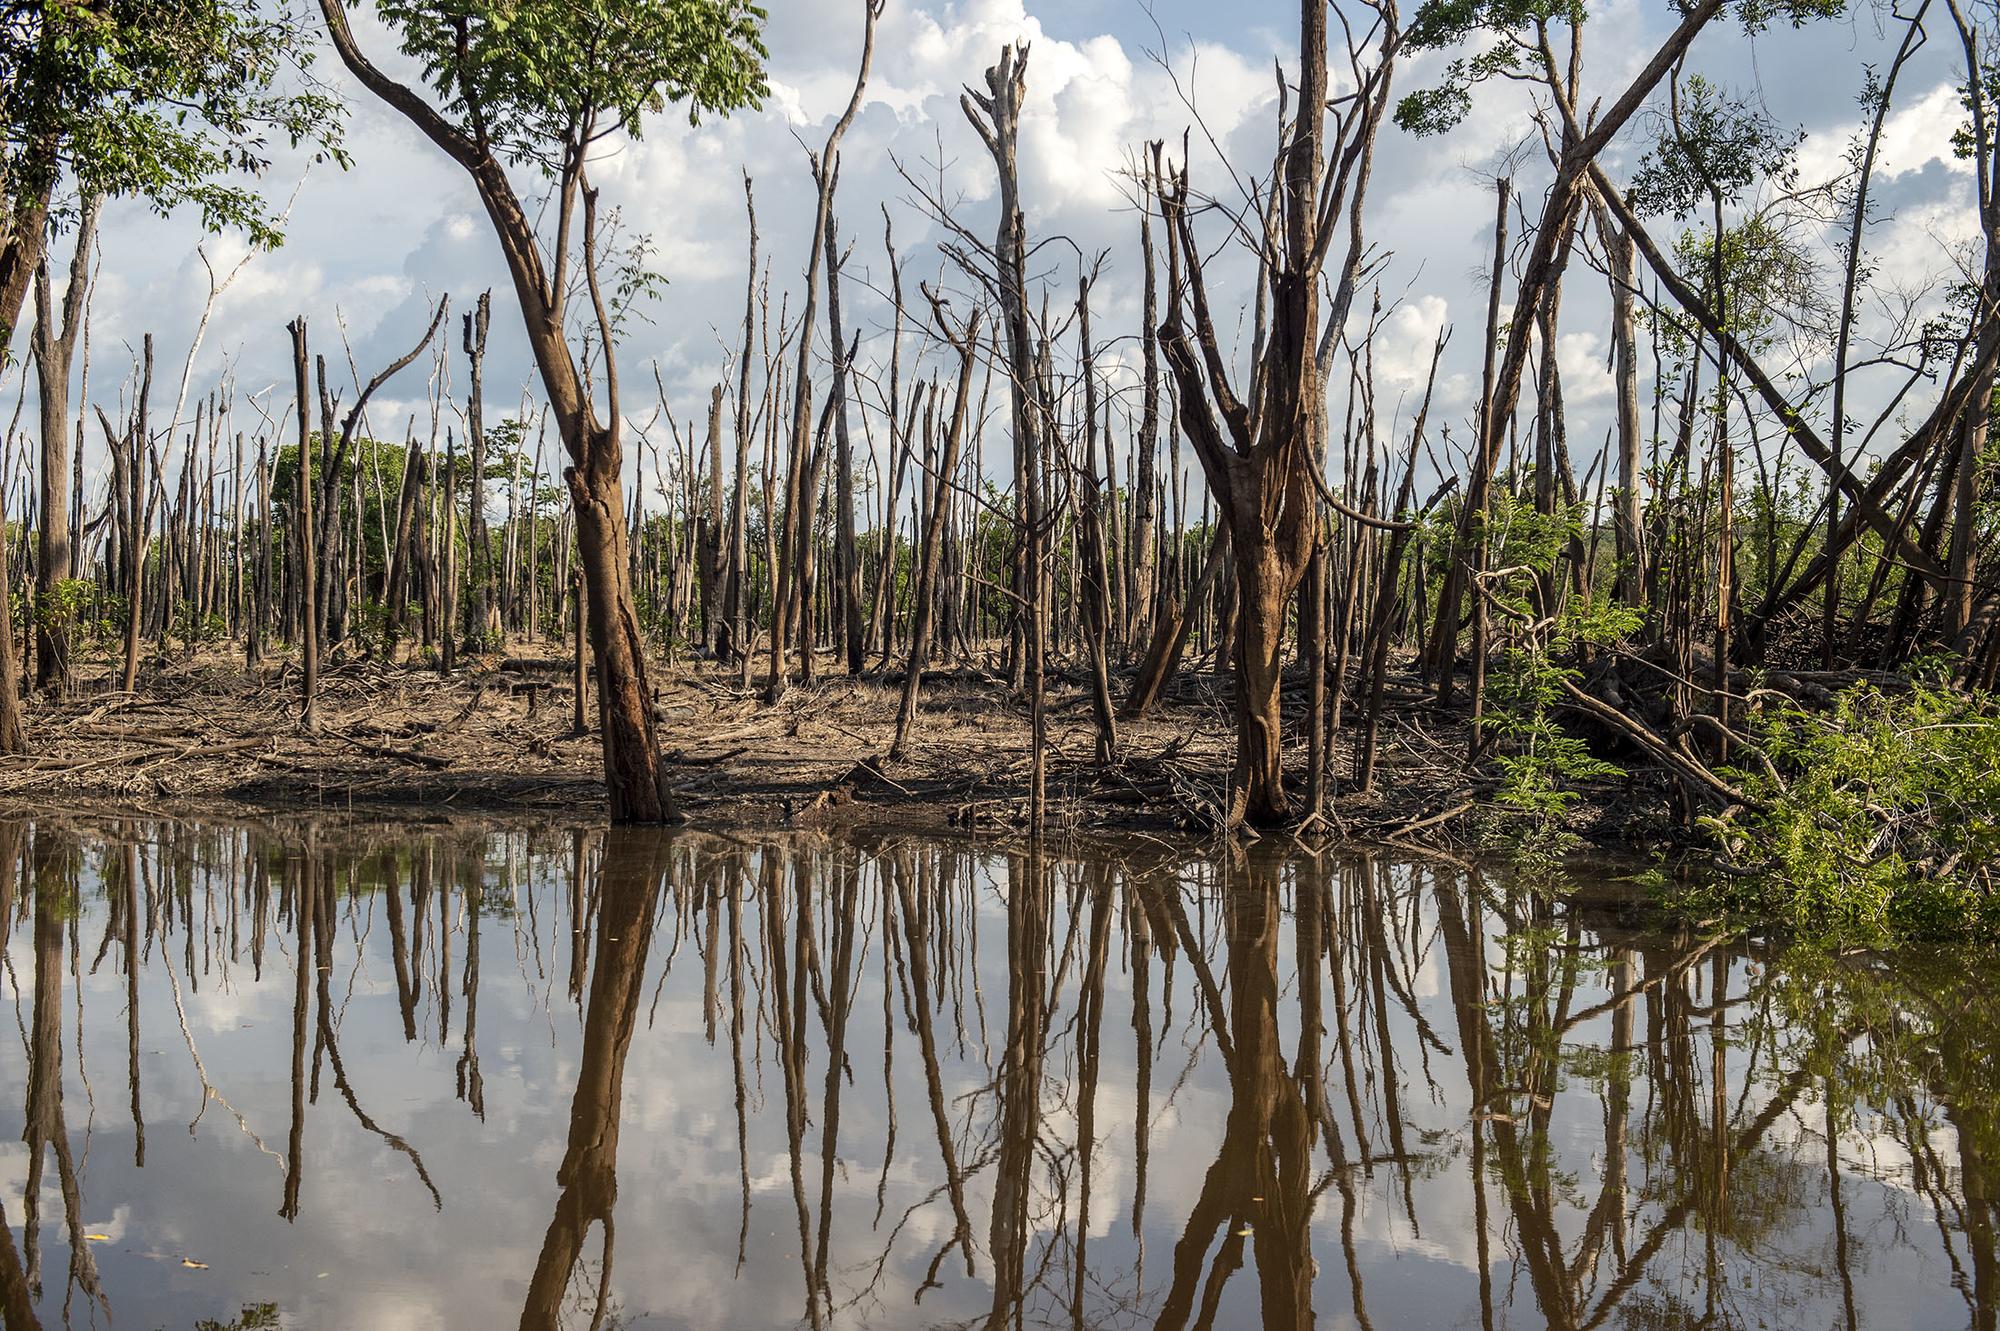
column 206, row 736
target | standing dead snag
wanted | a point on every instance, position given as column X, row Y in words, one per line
column 921, row 602
column 796, row 538
column 13, row 735
column 1139, row 595
column 134, row 496
column 1097, row 611
column 598, row 71
column 481, row 615
column 996, row 116
column 309, row 637
column 1258, row 455
column 713, row 558
column 54, row 344
column 732, row 640
column 847, row 564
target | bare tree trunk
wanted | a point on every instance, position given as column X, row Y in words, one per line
column 1259, row 454
column 738, row 595
column 826, row 176
column 1385, row 592
column 996, row 116
column 579, row 719
column 934, row 521
column 480, row 619
column 13, row 734
column 1097, row 616
column 710, row 554
column 1140, row 595
column 1628, row 522
column 447, row 564
column 847, row 564
column 55, row 344
column 1467, row 561
column 309, row 635
column 396, row 593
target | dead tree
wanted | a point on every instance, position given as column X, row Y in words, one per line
column 796, row 536
column 996, row 115
column 1258, row 453
column 1628, row 522
column 1140, row 591
column 13, row 734
column 1096, row 618
column 847, row 565
column 732, row 641
column 481, row 616
column 54, row 342
column 307, row 563
column 966, row 343
column 882, row 619
column 135, row 496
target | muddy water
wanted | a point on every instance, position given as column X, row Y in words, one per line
column 390, row 1078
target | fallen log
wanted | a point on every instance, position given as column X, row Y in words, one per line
column 1643, row 735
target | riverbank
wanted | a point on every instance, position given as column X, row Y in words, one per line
column 496, row 737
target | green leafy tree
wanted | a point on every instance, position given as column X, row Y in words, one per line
column 540, row 86
column 176, row 102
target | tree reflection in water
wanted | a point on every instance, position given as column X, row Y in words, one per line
column 892, row 1080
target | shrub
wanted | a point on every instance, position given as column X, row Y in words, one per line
column 1878, row 816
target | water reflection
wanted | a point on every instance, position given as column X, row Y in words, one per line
column 376, row 1077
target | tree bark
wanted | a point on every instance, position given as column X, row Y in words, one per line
column 636, row 788
column 847, row 570
column 934, row 521
column 481, row 620
column 308, row 564
column 55, row 344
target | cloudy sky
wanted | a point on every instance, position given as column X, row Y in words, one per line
column 372, row 247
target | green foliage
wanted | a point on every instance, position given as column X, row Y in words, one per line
column 1512, row 27
column 535, row 78
column 75, row 604
column 162, row 100
column 1879, row 816
column 1711, row 148
column 1766, row 273
column 1540, row 764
